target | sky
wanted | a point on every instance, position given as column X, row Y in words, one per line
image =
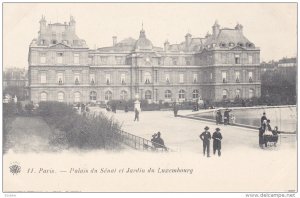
column 270, row 26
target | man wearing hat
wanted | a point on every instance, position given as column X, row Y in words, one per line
column 205, row 137
column 217, row 138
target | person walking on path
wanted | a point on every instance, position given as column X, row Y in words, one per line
column 206, row 137
column 217, row 141
column 136, row 114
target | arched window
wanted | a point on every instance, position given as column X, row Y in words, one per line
column 76, row 97
column 60, row 97
column 123, row 95
column 147, row 77
column 148, row 94
column 251, row 93
column 237, row 93
column 43, row 96
column 168, row 94
column 181, row 94
column 108, row 95
column 195, row 94
column 93, row 95
column 224, row 94
column 241, row 44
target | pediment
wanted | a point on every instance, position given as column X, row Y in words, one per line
column 238, row 48
column 60, row 46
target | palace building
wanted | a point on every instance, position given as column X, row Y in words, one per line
column 222, row 65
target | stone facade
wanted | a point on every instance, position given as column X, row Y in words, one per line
column 224, row 65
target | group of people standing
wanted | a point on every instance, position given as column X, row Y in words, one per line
column 266, row 134
column 217, row 141
column 228, row 118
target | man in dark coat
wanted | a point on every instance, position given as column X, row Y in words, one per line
column 175, row 109
column 263, row 118
column 226, row 116
column 217, row 138
column 136, row 114
column 159, row 141
column 205, row 137
column 219, row 117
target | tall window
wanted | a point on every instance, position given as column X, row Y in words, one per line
column 60, row 97
column 92, row 79
column 43, row 96
column 237, row 76
column 251, row 93
column 108, row 95
column 148, row 95
column 93, row 95
column 107, row 79
column 60, row 78
column 147, row 78
column 250, row 59
column 119, row 60
column 174, row 60
column 43, row 58
column 195, row 78
column 250, row 75
column 76, row 97
column 168, row 94
column 59, row 57
column 195, row 94
column 43, row 78
column 224, row 77
column 237, row 59
column 123, row 95
column 211, row 76
column 123, row 82
column 76, row 59
column 103, row 59
column 237, row 93
column 224, row 94
column 181, row 94
column 77, row 78
column 181, row 78
column 188, row 61
column 167, row 78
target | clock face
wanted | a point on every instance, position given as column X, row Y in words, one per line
column 147, row 59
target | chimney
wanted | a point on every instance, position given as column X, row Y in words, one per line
column 114, row 40
column 188, row 39
column 216, row 28
column 166, row 45
column 239, row 27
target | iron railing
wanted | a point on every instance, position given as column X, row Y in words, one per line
column 138, row 143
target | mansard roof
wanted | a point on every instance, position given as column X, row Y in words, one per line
column 228, row 38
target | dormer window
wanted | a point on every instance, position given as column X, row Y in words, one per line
column 250, row 45
column 241, row 44
column 222, row 45
column 54, row 42
column 43, row 42
column 75, row 42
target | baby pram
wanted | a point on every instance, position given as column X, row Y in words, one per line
column 268, row 138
